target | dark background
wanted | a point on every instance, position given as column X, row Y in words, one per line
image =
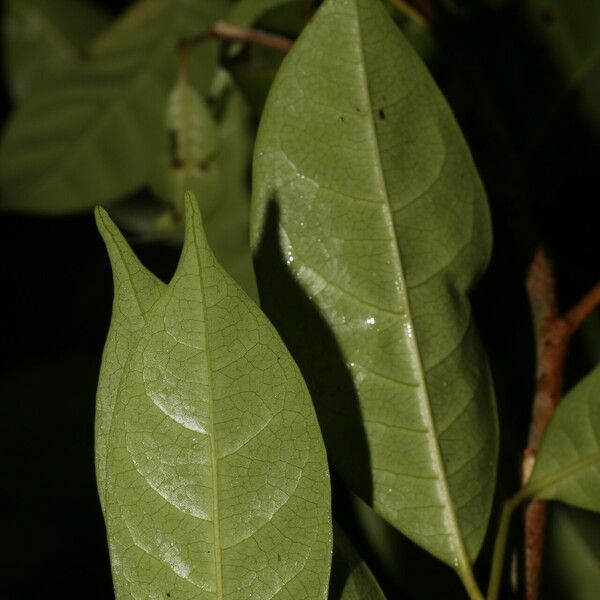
column 57, row 291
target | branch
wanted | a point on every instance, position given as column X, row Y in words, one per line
column 411, row 12
column 222, row 30
column 583, row 308
column 552, row 333
column 551, row 338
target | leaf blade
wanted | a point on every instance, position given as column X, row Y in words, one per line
column 217, row 475
column 383, row 226
column 42, row 35
column 92, row 133
column 567, row 466
column 136, row 290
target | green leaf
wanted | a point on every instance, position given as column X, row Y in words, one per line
column 40, row 35
column 226, row 200
column 351, row 579
column 191, row 163
column 92, row 133
column 567, row 465
column 370, row 221
column 224, row 190
column 136, row 291
column 573, row 553
column 216, row 480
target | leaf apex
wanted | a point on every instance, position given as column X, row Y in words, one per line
column 105, row 224
column 192, row 210
column 193, row 220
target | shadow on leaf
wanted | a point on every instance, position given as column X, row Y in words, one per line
column 312, row 344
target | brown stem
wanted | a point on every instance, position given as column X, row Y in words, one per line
column 583, row 308
column 222, row 30
column 551, row 338
column 411, row 12
column 552, row 333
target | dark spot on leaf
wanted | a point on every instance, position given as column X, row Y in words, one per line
column 279, row 558
column 381, row 114
column 204, row 166
column 357, row 109
column 168, row 594
column 341, row 118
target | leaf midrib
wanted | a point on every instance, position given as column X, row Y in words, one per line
column 211, row 427
column 537, row 487
column 435, row 450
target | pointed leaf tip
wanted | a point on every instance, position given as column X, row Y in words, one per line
column 106, row 227
column 192, row 209
column 194, row 233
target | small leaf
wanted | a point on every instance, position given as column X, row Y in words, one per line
column 567, row 465
column 216, row 481
column 41, row 34
column 92, row 132
column 191, row 164
column 351, row 579
column 370, row 226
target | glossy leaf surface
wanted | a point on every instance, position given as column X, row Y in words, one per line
column 92, row 132
column 351, row 579
column 370, row 220
column 567, row 465
column 42, row 34
column 215, row 479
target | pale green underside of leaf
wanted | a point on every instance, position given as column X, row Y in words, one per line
column 383, row 223
column 211, row 468
column 92, row 132
column 567, row 465
column 351, row 579
column 42, row 34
